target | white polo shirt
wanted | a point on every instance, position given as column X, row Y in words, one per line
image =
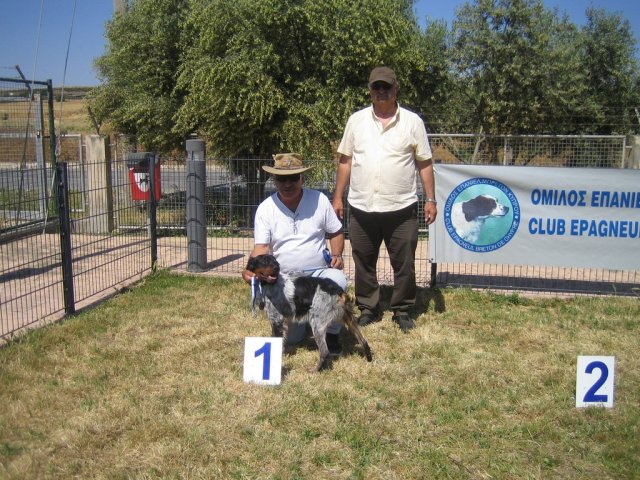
column 297, row 239
column 383, row 170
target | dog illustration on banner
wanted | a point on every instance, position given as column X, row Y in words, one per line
column 469, row 217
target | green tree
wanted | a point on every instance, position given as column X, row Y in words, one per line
column 613, row 72
column 139, row 72
column 101, row 103
column 436, row 85
column 269, row 75
column 253, row 77
column 519, row 66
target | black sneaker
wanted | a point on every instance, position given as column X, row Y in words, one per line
column 369, row 318
column 333, row 344
column 404, row 321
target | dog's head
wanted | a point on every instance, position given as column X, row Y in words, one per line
column 483, row 206
column 266, row 268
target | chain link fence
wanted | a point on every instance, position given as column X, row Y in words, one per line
column 231, row 200
column 588, row 151
column 63, row 245
column 111, row 236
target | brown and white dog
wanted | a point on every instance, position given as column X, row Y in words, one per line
column 299, row 298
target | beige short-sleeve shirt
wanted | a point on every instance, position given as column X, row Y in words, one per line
column 383, row 169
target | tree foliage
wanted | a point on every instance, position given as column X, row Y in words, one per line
column 139, row 72
column 515, row 69
column 436, row 85
column 613, row 72
column 271, row 75
column 254, row 77
column 525, row 69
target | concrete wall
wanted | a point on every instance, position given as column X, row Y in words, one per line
column 99, row 217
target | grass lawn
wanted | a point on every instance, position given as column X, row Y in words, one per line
column 149, row 385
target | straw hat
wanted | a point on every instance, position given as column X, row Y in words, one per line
column 286, row 164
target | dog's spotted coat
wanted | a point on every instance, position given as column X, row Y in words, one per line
column 299, row 298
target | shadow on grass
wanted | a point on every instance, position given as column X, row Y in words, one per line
column 350, row 346
column 425, row 298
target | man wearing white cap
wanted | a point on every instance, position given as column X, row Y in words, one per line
column 384, row 149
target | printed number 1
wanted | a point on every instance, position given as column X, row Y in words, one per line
column 266, row 364
column 591, row 396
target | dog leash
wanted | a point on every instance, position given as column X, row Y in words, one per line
column 256, row 294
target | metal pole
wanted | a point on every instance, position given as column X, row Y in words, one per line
column 153, row 230
column 196, row 221
column 62, row 184
column 434, row 275
column 36, row 98
column 120, row 6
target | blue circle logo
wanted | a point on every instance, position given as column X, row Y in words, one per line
column 482, row 215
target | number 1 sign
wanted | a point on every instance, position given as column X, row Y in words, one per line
column 594, row 381
column 263, row 360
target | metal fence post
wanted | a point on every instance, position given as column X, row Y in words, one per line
column 196, row 220
column 434, row 275
column 153, row 219
column 64, row 213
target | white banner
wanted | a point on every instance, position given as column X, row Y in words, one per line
column 565, row 217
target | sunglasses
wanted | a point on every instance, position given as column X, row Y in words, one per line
column 287, row 178
column 381, row 86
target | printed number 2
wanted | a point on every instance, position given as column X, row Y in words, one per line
column 266, row 364
column 591, row 396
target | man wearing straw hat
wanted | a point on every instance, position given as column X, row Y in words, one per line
column 292, row 224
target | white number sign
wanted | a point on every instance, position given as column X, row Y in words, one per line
column 595, row 381
column 263, row 360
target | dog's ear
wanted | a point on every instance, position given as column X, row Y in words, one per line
column 276, row 267
column 252, row 264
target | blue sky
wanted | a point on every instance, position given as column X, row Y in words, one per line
column 39, row 43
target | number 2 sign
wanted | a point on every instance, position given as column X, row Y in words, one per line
column 262, row 360
column 595, row 381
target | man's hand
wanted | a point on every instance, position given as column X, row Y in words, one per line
column 247, row 275
column 337, row 262
column 338, row 207
column 430, row 212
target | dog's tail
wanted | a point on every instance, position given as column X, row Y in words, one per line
column 349, row 319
